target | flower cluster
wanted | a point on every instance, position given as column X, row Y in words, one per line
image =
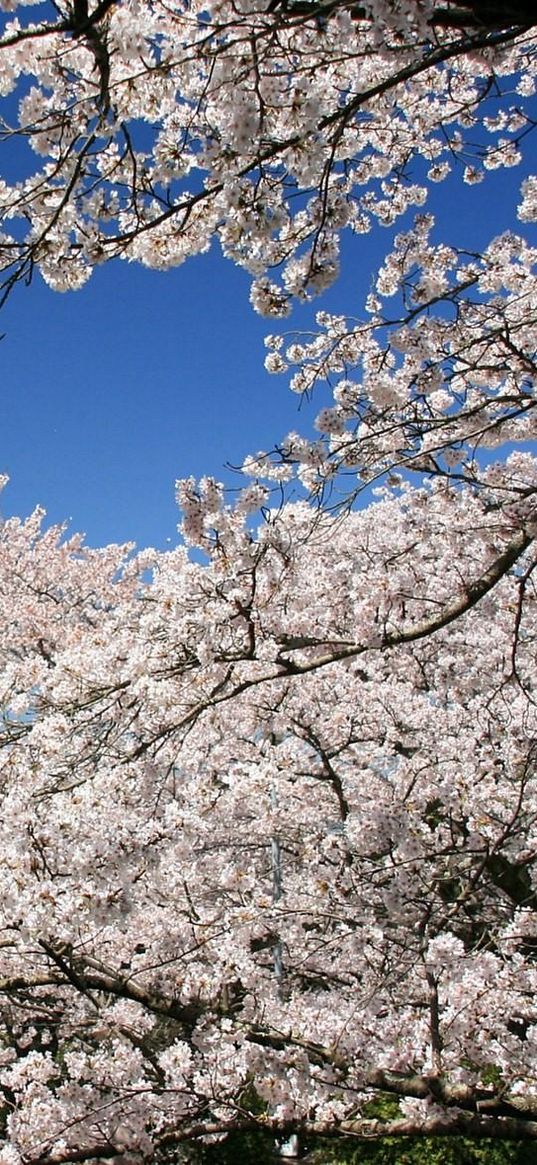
column 149, row 128
column 320, row 739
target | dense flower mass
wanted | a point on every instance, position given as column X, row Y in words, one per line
column 151, row 128
column 271, row 818
column 268, row 816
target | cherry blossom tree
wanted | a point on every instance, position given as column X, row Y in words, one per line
column 268, row 826
column 435, row 385
column 153, row 128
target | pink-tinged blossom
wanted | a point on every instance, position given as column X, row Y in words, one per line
column 160, row 127
column 268, row 812
column 331, row 683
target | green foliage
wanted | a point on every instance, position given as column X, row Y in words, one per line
column 423, row 1151
column 419, row 1150
column 255, row 1148
column 259, row 1148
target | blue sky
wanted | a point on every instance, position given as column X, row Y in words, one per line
column 112, row 392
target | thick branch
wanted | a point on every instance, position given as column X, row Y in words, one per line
column 461, row 1124
column 476, row 1100
column 482, row 14
column 472, row 594
column 77, row 973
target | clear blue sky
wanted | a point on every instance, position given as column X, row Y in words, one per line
column 112, row 392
